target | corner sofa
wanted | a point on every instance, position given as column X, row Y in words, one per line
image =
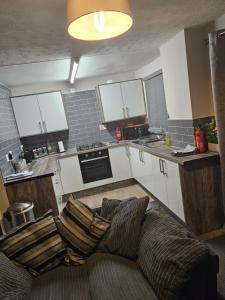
column 110, row 277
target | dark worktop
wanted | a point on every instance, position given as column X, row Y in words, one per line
column 47, row 166
column 42, row 167
column 165, row 152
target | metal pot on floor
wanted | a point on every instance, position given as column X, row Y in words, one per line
column 21, row 213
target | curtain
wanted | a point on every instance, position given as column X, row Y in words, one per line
column 217, row 62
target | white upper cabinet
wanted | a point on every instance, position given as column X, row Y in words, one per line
column 52, row 112
column 38, row 114
column 112, row 102
column 133, row 98
column 28, row 116
column 122, row 100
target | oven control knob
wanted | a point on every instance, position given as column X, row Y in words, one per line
column 99, row 152
column 86, row 155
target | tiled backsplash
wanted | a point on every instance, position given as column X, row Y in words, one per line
column 83, row 117
column 9, row 138
column 181, row 132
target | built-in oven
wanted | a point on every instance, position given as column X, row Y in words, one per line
column 95, row 165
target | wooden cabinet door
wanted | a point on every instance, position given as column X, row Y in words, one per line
column 120, row 163
column 173, row 186
column 28, row 116
column 133, row 98
column 112, row 102
column 52, row 112
column 70, row 174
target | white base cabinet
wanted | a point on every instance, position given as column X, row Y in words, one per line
column 70, row 175
column 120, row 163
column 160, row 177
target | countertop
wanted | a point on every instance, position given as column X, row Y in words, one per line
column 42, row 167
column 47, row 166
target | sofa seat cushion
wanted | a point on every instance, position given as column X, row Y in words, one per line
column 62, row 283
column 113, row 277
column 15, row 282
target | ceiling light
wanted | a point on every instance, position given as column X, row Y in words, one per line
column 73, row 72
column 94, row 20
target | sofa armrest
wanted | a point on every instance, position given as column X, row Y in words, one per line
column 203, row 280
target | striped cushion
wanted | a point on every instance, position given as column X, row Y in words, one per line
column 82, row 229
column 36, row 245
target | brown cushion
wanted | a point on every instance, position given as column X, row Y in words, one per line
column 36, row 245
column 168, row 254
column 126, row 220
column 82, row 229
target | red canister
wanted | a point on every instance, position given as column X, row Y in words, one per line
column 200, row 139
column 119, row 134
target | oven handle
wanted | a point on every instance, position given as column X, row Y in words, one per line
column 92, row 159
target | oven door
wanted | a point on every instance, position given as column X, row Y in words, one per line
column 95, row 169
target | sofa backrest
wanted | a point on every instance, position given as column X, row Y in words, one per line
column 176, row 265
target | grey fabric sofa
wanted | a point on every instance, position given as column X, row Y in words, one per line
column 111, row 277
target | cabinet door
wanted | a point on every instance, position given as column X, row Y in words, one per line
column 133, row 98
column 27, row 114
column 70, row 174
column 112, row 102
column 136, row 165
column 175, row 200
column 159, row 180
column 52, row 112
column 146, row 178
column 120, row 163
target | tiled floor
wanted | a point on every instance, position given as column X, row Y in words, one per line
column 120, row 193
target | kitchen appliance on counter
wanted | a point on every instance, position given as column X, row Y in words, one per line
column 95, row 165
column 61, row 147
column 134, row 132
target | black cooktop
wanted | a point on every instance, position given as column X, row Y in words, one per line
column 90, row 146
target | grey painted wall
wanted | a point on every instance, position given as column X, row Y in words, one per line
column 83, row 116
column 9, row 137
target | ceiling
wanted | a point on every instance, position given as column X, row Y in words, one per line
column 35, row 31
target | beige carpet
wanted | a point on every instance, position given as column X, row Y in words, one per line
column 120, row 193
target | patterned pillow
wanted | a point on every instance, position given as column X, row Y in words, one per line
column 82, row 229
column 126, row 222
column 36, row 245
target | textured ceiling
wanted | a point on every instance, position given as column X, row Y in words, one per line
column 35, row 30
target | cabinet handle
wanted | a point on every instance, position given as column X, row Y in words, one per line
column 164, row 169
column 140, row 155
column 160, row 166
column 127, row 110
column 124, row 114
column 142, row 159
column 59, row 166
column 127, row 151
column 45, row 127
column 40, row 127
